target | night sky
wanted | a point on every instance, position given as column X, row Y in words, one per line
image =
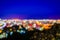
column 30, row 9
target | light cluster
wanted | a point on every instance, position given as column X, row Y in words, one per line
column 15, row 25
column 26, row 23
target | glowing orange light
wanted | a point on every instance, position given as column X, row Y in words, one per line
column 47, row 26
column 0, row 31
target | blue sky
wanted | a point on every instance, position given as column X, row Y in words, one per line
column 30, row 9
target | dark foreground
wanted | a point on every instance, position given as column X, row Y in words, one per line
column 50, row 34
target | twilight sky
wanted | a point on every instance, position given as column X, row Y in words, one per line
column 30, row 9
